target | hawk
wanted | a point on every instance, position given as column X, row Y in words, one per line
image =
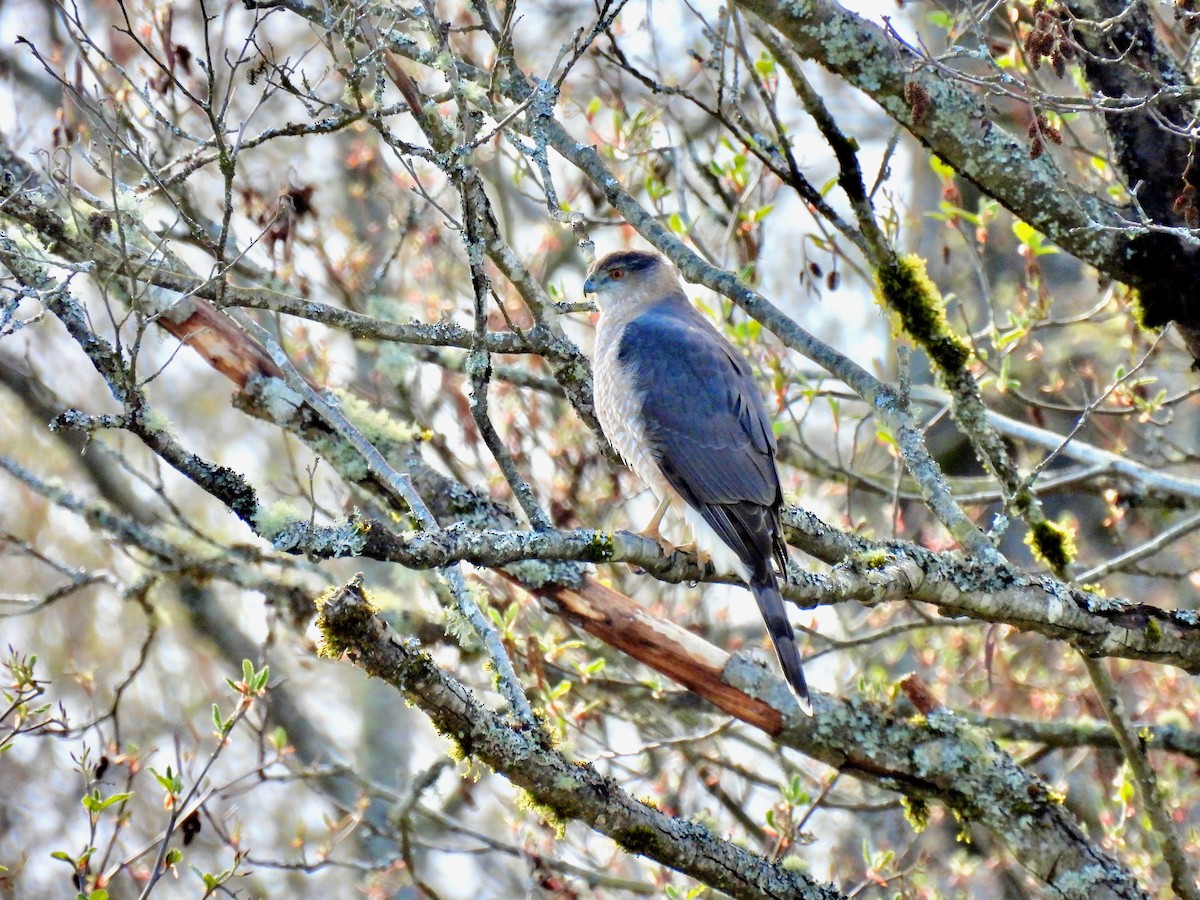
column 680, row 404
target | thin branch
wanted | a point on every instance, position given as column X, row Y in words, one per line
column 1142, row 551
column 400, row 485
column 1183, row 880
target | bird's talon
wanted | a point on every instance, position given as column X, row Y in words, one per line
column 651, row 533
column 667, row 548
column 702, row 558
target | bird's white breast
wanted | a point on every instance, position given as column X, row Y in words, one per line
column 619, row 405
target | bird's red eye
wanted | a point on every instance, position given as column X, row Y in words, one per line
column 617, row 274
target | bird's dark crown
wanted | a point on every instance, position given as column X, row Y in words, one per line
column 629, row 260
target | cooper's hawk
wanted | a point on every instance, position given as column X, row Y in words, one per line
column 681, row 406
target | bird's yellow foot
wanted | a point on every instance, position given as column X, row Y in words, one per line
column 667, row 547
column 702, row 558
column 651, row 532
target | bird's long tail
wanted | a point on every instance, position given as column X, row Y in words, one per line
column 770, row 604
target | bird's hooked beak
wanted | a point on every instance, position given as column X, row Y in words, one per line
column 589, row 286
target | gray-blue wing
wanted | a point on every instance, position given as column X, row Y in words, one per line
column 707, row 426
column 709, row 430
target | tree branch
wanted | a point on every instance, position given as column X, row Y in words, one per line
column 955, row 123
column 566, row 788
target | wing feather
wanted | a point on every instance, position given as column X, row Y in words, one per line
column 707, row 426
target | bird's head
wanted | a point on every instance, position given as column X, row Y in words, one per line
column 631, row 276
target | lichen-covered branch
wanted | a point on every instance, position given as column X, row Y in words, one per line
column 566, row 789
column 953, row 125
column 878, row 573
column 1161, row 738
column 1144, row 478
column 223, row 483
column 401, row 490
column 953, row 120
column 905, row 289
column 931, row 757
column 1152, row 147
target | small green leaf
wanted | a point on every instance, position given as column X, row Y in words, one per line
column 885, row 437
column 676, row 224
column 1008, row 337
column 170, row 782
column 940, row 168
column 559, row 690
column 952, row 212
column 655, row 189
column 1024, row 231
column 1126, row 790
column 1032, row 238
column 115, row 798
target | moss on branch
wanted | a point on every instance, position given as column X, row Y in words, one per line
column 907, row 291
column 1052, row 544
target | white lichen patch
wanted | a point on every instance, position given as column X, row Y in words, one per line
column 156, row 420
column 272, row 521
column 375, row 424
